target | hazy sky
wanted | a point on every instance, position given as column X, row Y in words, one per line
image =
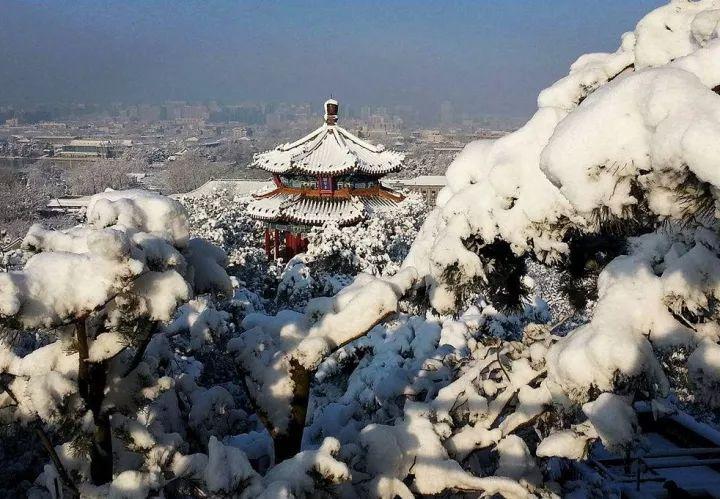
column 492, row 56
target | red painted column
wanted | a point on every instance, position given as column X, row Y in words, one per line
column 277, row 243
column 267, row 242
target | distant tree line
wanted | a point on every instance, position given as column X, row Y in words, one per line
column 23, row 193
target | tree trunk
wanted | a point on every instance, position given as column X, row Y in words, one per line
column 287, row 443
column 83, row 354
column 101, row 455
column 92, row 378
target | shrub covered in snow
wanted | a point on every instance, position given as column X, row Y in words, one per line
column 130, row 377
column 563, row 173
column 625, row 145
column 562, row 176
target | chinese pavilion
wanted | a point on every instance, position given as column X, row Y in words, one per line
column 328, row 175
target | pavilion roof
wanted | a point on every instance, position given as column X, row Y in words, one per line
column 294, row 208
column 330, row 150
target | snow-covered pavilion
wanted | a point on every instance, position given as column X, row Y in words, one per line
column 328, row 175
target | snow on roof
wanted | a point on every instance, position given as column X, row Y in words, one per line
column 89, row 142
column 318, row 210
column 428, row 180
column 234, row 186
column 268, row 208
column 315, row 210
column 69, row 203
column 330, row 150
column 99, row 142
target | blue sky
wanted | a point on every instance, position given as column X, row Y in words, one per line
column 491, row 56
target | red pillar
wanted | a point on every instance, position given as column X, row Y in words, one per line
column 267, row 242
column 290, row 243
column 276, row 235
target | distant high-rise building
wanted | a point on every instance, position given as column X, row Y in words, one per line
column 149, row 113
column 446, row 113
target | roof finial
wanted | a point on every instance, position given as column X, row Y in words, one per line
column 331, row 111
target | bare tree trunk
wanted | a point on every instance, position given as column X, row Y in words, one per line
column 101, row 453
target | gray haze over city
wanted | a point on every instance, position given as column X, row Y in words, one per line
column 489, row 57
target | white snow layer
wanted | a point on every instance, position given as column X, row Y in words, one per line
column 142, row 210
column 134, row 252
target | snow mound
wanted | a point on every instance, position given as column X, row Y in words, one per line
column 142, row 210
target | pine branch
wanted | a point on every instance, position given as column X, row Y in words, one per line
column 47, row 445
column 140, row 353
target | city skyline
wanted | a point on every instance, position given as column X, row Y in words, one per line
column 446, row 114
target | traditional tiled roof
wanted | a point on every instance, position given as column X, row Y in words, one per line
column 311, row 210
column 330, row 150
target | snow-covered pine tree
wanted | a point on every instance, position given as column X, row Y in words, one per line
column 96, row 296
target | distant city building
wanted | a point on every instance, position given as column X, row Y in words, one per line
column 91, row 148
column 447, row 114
column 148, row 113
column 185, row 113
column 427, row 185
column 432, row 136
column 328, row 175
column 53, row 140
column 51, row 125
column 242, row 132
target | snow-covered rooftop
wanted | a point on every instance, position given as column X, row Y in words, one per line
column 234, row 186
column 422, row 180
column 330, row 150
column 294, row 208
